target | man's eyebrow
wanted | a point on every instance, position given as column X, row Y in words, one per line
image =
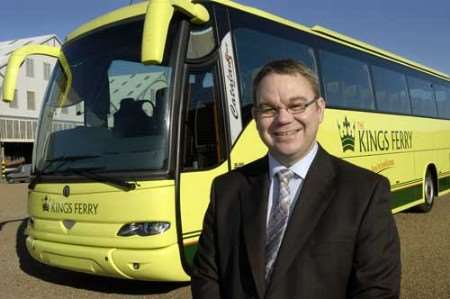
column 263, row 104
column 298, row 99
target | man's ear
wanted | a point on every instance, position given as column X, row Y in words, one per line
column 321, row 105
column 254, row 112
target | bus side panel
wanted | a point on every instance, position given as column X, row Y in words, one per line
column 382, row 143
column 194, row 195
column 442, row 142
column 426, row 151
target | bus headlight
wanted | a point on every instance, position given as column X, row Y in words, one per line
column 143, row 228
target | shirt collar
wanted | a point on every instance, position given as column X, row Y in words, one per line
column 300, row 168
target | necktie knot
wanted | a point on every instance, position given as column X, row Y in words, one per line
column 284, row 176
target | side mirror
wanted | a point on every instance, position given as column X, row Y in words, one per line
column 18, row 57
column 15, row 61
column 156, row 25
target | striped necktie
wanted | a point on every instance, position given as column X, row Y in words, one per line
column 278, row 218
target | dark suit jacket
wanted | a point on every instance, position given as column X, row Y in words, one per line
column 341, row 240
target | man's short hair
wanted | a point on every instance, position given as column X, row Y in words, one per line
column 286, row 67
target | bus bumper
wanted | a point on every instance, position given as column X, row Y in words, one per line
column 142, row 264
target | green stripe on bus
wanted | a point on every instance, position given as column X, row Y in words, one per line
column 189, row 253
column 444, row 183
column 405, row 196
column 192, row 234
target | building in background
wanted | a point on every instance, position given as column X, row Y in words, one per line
column 18, row 119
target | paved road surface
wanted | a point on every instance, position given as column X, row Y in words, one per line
column 425, row 242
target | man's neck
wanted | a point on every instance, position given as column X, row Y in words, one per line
column 285, row 161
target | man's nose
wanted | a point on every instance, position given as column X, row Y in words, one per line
column 284, row 115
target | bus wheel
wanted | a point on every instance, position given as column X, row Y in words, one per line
column 429, row 193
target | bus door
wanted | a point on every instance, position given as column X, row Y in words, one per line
column 203, row 145
column 203, row 150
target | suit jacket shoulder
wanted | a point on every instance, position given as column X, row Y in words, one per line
column 242, row 176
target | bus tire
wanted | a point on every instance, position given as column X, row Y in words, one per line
column 429, row 193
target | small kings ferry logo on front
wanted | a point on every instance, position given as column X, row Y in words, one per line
column 73, row 208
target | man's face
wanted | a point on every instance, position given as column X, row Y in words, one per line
column 288, row 136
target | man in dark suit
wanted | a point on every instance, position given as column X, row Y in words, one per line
column 298, row 223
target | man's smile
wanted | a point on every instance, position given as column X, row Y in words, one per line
column 286, row 132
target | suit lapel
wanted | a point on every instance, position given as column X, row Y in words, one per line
column 254, row 214
column 315, row 195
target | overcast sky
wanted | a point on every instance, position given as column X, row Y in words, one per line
column 415, row 29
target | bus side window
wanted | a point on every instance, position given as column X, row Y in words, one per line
column 443, row 100
column 203, row 126
column 346, row 81
column 422, row 96
column 391, row 91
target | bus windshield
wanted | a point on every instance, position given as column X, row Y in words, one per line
column 109, row 113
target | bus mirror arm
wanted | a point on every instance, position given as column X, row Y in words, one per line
column 15, row 61
column 156, row 25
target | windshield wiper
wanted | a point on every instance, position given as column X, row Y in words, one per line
column 86, row 172
column 63, row 159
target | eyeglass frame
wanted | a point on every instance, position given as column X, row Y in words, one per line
column 276, row 111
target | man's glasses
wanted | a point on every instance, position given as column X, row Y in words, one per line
column 267, row 111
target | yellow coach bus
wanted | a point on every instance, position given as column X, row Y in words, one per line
column 148, row 103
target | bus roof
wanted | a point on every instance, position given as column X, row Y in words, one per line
column 138, row 9
column 116, row 15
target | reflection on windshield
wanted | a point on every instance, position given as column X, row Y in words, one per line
column 115, row 115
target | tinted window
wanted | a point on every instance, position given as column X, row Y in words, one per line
column 443, row 100
column 390, row 91
column 421, row 92
column 119, row 109
column 258, row 42
column 346, row 82
column 203, row 136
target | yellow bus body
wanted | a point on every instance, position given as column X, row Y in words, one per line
column 92, row 244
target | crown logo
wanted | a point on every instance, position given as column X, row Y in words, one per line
column 347, row 134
